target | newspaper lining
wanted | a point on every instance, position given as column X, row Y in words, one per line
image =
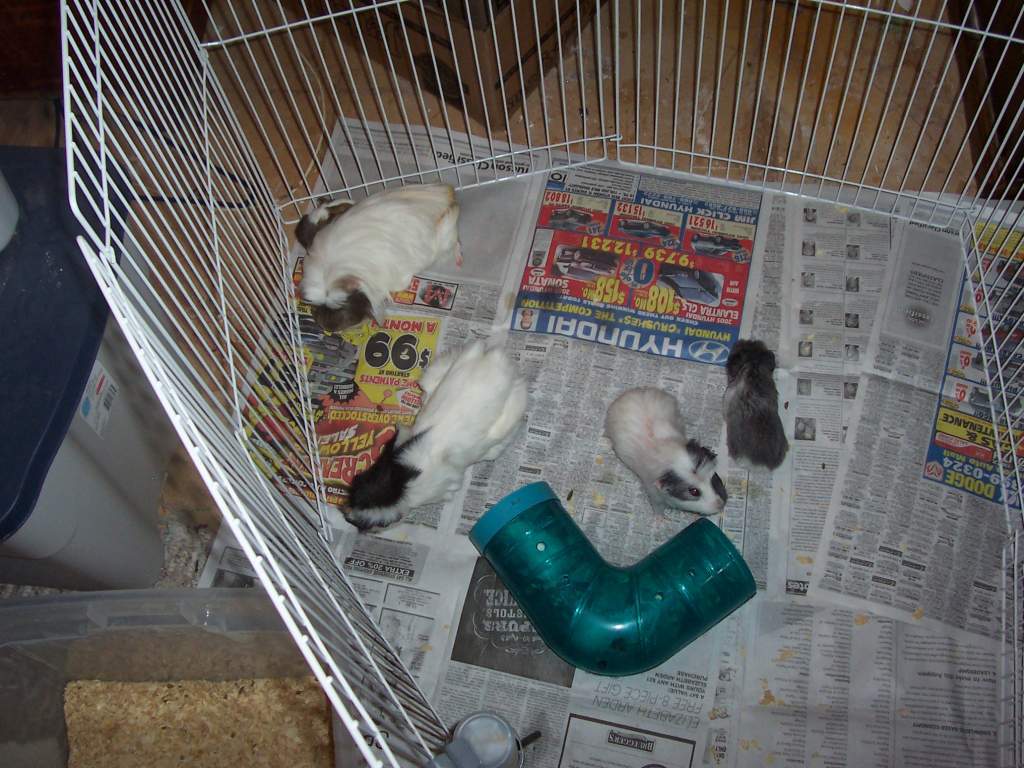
column 836, row 279
column 898, row 541
column 868, row 679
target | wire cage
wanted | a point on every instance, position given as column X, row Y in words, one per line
column 196, row 134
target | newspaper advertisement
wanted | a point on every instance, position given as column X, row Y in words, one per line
column 363, row 382
column 836, row 285
column 640, row 261
column 273, row 415
column 963, row 451
column 589, row 741
column 899, row 540
column 838, row 687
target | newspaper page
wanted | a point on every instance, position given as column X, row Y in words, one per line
column 227, row 564
column 574, row 376
column 640, row 261
column 674, row 709
column 908, row 537
column 724, row 714
column 836, row 286
column 411, row 583
column 410, row 586
column 499, row 663
column 761, row 490
column 964, row 449
column 363, row 381
column 362, row 154
column 363, row 385
column 634, row 278
column 837, row 687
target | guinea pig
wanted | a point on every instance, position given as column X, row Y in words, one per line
column 356, row 259
column 648, row 435
column 754, row 433
column 473, row 402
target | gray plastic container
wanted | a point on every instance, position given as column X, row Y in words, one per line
column 94, row 525
column 210, row 634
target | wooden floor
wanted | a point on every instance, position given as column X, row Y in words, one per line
column 29, row 123
column 810, row 88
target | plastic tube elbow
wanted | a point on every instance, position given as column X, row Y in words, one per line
column 599, row 617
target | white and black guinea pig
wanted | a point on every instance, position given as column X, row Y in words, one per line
column 648, row 435
column 474, row 400
column 754, row 433
column 357, row 255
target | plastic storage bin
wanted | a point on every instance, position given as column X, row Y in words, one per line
column 214, row 634
column 85, row 442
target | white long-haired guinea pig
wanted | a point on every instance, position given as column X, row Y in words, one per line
column 648, row 435
column 357, row 256
column 474, row 401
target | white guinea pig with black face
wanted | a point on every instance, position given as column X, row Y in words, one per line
column 648, row 435
column 474, row 401
column 359, row 253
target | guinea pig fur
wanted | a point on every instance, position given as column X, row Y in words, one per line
column 754, row 433
column 473, row 402
column 355, row 260
column 648, row 435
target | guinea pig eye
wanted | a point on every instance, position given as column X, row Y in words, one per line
column 694, row 492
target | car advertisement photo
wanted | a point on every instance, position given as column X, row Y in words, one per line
column 664, row 274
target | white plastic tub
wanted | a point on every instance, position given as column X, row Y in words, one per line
column 94, row 525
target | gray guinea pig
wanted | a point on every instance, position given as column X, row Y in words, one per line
column 754, row 433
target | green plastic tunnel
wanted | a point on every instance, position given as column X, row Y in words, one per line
column 599, row 617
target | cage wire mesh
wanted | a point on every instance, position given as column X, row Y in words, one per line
column 195, row 137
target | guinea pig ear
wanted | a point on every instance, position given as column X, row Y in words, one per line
column 389, row 447
column 360, row 308
column 349, row 283
column 670, row 483
column 331, row 320
column 719, row 488
column 701, row 456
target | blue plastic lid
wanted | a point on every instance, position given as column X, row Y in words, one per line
column 52, row 316
column 507, row 510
